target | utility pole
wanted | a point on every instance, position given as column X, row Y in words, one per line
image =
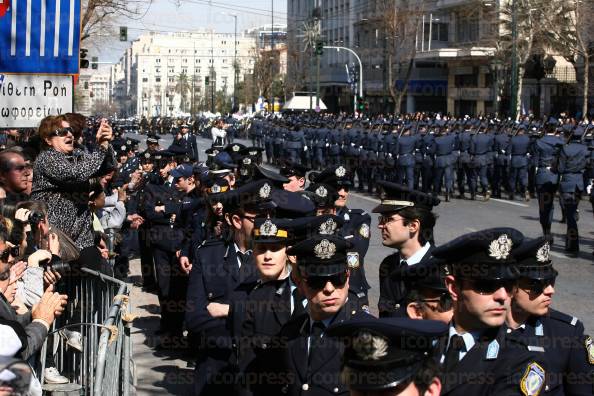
column 272, row 52
column 211, row 71
column 514, row 77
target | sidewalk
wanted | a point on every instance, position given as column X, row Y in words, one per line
column 157, row 372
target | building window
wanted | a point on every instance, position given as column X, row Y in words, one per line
column 144, row 79
column 439, row 32
column 184, row 70
column 171, row 79
column 158, row 60
column 467, row 28
column 466, row 80
column 157, row 79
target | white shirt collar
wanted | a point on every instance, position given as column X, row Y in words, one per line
column 470, row 339
column 418, row 255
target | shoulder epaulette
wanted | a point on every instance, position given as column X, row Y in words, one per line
column 561, row 317
column 211, row 242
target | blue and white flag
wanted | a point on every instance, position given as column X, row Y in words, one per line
column 40, row 37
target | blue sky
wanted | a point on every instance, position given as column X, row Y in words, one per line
column 188, row 15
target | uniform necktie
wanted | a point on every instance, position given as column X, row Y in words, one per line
column 315, row 340
column 244, row 258
column 298, row 308
column 453, row 354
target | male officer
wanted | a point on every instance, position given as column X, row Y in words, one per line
column 568, row 351
column 427, row 152
column 464, row 171
column 296, row 174
column 389, row 356
column 477, row 357
column 572, row 162
column 356, row 226
column 295, row 144
column 405, row 160
column 519, row 146
column 219, row 266
column 185, row 142
column 320, row 147
column 502, row 156
column 445, row 143
column 480, row 146
column 166, row 237
column 546, row 151
column 406, row 223
column 427, row 297
column 309, row 359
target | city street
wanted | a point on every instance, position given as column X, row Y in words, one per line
column 573, row 290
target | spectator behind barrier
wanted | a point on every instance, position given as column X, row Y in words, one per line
column 61, row 180
column 37, row 321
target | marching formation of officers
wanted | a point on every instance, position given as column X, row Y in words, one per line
column 261, row 274
column 439, row 155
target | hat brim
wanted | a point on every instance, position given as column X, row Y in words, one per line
column 383, row 208
column 315, row 269
column 368, row 379
column 538, row 273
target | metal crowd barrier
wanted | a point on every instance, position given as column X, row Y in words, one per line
column 98, row 308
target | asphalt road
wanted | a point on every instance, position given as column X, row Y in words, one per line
column 574, row 290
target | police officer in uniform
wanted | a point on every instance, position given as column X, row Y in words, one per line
column 477, row 356
column 390, row 356
column 480, row 146
column 464, row 171
column 402, row 212
column 520, row 153
column 501, row 147
column 546, row 151
column 572, row 162
column 219, row 266
column 308, row 358
column 426, row 295
column 445, row 143
column 276, row 298
column 405, row 160
column 569, row 353
column 356, row 226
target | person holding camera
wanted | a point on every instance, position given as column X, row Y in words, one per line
column 61, row 180
column 36, row 322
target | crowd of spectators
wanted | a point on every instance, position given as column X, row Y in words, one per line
column 56, row 205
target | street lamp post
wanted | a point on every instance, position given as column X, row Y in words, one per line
column 514, row 76
column 360, row 69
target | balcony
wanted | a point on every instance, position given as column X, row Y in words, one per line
column 471, row 93
column 453, row 3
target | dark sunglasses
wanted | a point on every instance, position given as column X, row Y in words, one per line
column 63, row 132
column 537, row 286
column 5, row 254
column 319, row 282
column 490, row 286
column 444, row 303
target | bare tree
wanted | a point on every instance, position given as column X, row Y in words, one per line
column 400, row 20
column 572, row 35
column 97, row 15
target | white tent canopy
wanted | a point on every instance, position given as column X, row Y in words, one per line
column 301, row 101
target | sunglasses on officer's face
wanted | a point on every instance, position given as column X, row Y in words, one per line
column 319, row 282
column 537, row 286
column 5, row 254
column 444, row 303
column 63, row 132
column 490, row 286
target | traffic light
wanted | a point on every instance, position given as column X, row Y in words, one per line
column 84, row 63
column 360, row 104
column 94, row 63
column 320, row 48
column 123, row 33
column 206, row 81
